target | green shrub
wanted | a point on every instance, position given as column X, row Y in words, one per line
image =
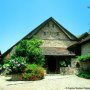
column 84, row 57
column 21, row 49
column 33, row 72
column 26, row 52
column 16, row 65
column 62, row 63
column 30, row 49
column 84, row 75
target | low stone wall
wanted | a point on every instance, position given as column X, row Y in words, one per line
column 16, row 77
column 85, row 64
column 67, row 70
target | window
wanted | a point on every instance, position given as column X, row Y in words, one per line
column 45, row 32
column 57, row 33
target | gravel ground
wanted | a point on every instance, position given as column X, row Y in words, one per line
column 67, row 82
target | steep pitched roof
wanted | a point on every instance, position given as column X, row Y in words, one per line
column 83, row 36
column 85, row 40
column 37, row 29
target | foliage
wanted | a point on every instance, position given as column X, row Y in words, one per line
column 16, row 65
column 21, row 49
column 84, row 57
column 62, row 63
column 33, row 72
column 26, row 52
column 30, row 49
column 84, row 74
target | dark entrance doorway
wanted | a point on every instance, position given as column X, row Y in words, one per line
column 51, row 62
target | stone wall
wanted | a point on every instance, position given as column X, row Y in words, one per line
column 85, row 48
column 70, row 69
column 67, row 70
column 52, row 36
column 51, row 31
column 85, row 65
column 73, row 62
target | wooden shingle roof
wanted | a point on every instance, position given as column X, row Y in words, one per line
column 37, row 29
column 83, row 36
column 57, row 51
column 85, row 40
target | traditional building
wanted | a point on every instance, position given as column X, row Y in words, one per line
column 85, row 45
column 85, row 49
column 56, row 42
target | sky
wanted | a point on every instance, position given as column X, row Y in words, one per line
column 19, row 17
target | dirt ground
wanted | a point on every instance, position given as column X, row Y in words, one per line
column 55, row 82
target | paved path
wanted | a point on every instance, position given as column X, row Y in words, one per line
column 68, row 82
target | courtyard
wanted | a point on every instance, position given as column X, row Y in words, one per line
column 50, row 82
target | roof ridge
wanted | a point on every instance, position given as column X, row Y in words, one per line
column 59, row 25
column 84, row 35
column 40, row 26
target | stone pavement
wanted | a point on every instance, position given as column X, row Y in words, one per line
column 57, row 82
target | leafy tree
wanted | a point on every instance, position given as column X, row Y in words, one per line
column 35, row 53
column 30, row 49
column 27, row 51
column 21, row 49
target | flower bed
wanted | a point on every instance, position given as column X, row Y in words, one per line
column 32, row 72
